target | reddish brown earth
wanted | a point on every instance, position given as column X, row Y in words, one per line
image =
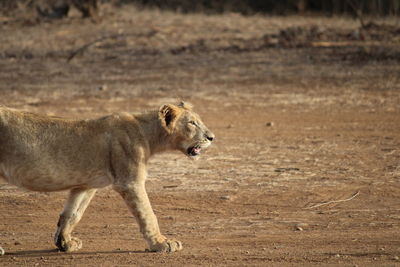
column 296, row 127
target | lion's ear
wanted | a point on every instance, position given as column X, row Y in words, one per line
column 167, row 115
column 185, row 105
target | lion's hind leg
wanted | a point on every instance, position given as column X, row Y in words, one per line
column 74, row 208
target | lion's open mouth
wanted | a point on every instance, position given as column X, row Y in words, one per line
column 194, row 151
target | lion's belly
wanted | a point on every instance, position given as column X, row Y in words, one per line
column 46, row 180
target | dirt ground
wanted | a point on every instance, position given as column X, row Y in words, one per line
column 305, row 167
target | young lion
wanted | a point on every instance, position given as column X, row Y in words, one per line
column 44, row 153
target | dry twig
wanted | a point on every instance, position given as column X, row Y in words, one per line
column 333, row 201
column 81, row 49
column 356, row 6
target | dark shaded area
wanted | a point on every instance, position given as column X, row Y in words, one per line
column 331, row 7
column 52, row 9
column 88, row 8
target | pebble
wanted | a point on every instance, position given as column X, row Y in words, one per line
column 300, row 226
column 396, row 258
column 2, row 252
column 226, row 197
column 102, row 88
column 17, row 243
column 269, row 124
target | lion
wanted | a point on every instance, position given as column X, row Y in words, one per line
column 43, row 153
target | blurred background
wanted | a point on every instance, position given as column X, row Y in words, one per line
column 284, row 7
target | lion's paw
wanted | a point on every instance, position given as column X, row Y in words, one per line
column 69, row 246
column 169, row 245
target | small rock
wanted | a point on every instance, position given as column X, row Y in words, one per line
column 269, row 124
column 247, row 252
column 17, row 243
column 218, row 249
column 102, row 88
column 337, row 255
column 226, row 197
column 229, row 126
column 396, row 258
column 300, row 226
column 2, row 252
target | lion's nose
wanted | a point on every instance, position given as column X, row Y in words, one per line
column 210, row 136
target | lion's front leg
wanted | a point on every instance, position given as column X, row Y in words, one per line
column 138, row 202
column 75, row 206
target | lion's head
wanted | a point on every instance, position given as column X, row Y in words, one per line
column 185, row 128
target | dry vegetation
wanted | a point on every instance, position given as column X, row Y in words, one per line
column 305, row 110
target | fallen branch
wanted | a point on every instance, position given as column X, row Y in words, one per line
column 333, row 201
column 345, row 44
column 81, row 49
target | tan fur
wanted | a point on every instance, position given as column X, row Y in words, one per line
column 44, row 153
